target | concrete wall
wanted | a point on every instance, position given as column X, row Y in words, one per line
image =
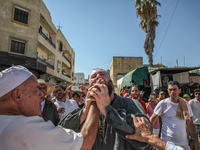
column 10, row 29
column 123, row 65
column 194, row 79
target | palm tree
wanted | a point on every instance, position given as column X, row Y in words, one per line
column 147, row 11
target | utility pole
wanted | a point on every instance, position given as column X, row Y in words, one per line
column 177, row 62
column 161, row 59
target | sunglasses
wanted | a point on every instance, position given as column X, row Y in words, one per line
column 197, row 93
column 44, row 88
column 57, row 90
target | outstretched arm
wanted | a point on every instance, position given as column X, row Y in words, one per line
column 143, row 133
column 89, row 129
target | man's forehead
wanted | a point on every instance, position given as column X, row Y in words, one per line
column 134, row 88
column 95, row 71
column 172, row 86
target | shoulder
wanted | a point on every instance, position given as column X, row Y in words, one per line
column 22, row 123
column 125, row 100
column 142, row 102
column 72, row 101
column 122, row 102
column 56, row 103
column 48, row 102
column 191, row 101
column 188, row 105
column 130, row 105
column 163, row 102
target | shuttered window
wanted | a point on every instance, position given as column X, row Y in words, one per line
column 21, row 15
column 17, row 47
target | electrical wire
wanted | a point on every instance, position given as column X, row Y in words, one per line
column 167, row 28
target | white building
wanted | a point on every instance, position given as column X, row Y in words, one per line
column 79, row 78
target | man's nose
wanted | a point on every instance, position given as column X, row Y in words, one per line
column 98, row 76
column 41, row 94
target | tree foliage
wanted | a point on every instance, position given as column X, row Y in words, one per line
column 147, row 11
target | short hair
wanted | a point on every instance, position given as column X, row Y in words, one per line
column 75, row 93
column 156, row 91
column 135, row 86
column 58, row 86
column 174, row 83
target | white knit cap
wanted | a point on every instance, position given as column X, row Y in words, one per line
column 12, row 77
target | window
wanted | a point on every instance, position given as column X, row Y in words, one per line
column 18, row 47
column 59, row 65
column 21, row 15
column 61, row 46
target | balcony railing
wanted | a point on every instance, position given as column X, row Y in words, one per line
column 65, row 74
column 67, row 60
column 7, row 59
column 43, row 61
column 46, row 38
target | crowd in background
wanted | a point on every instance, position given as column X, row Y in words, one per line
column 35, row 114
column 155, row 98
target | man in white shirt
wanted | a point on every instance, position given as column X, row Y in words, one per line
column 62, row 101
column 174, row 128
column 21, row 128
column 195, row 105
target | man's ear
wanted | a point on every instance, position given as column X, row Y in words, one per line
column 180, row 91
column 17, row 96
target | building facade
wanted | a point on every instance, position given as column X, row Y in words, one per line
column 120, row 66
column 79, row 78
column 28, row 37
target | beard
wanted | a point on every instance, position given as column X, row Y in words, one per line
column 135, row 96
column 110, row 87
column 61, row 95
column 174, row 97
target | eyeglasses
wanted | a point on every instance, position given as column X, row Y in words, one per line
column 197, row 93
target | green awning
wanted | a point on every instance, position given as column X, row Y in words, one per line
column 136, row 76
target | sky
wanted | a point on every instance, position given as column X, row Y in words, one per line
column 99, row 30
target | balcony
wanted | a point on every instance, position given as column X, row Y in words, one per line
column 28, row 62
column 67, row 60
column 46, row 38
column 65, row 74
column 43, row 61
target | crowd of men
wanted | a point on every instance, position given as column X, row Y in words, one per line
column 174, row 119
column 94, row 118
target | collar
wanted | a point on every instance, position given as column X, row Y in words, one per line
column 196, row 100
column 66, row 100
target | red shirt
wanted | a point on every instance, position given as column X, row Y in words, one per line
column 143, row 104
column 123, row 93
